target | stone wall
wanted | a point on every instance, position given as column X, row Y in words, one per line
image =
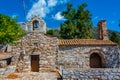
column 3, row 63
column 79, row 56
column 119, row 57
column 54, row 57
column 7, row 70
column 91, row 74
column 32, row 43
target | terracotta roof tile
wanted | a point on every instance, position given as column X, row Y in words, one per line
column 72, row 42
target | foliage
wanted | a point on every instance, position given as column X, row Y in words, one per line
column 50, row 32
column 53, row 32
column 78, row 23
column 115, row 38
column 15, row 42
column 9, row 30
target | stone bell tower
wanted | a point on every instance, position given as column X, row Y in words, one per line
column 102, row 30
column 36, row 24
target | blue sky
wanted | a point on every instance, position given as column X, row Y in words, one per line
column 50, row 10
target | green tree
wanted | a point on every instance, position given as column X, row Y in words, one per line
column 115, row 38
column 53, row 32
column 50, row 32
column 78, row 23
column 9, row 29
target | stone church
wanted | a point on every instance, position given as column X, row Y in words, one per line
column 73, row 58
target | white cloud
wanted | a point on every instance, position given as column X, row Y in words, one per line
column 38, row 8
column 52, row 3
column 42, row 8
column 58, row 16
column 63, row 1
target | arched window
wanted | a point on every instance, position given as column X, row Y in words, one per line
column 96, row 61
column 35, row 25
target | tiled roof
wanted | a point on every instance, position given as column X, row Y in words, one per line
column 91, row 42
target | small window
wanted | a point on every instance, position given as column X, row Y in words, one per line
column 35, row 44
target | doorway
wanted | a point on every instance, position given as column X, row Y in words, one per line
column 95, row 61
column 35, row 63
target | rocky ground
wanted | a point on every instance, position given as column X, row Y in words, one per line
column 31, row 76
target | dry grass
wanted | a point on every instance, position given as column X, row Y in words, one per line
column 12, row 76
column 4, row 53
column 58, row 74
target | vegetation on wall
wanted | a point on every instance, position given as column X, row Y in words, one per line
column 9, row 29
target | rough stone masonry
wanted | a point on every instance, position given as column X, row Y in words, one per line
column 75, row 59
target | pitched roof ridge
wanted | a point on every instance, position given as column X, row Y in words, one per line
column 85, row 42
column 78, row 39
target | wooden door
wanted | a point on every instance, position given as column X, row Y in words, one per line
column 35, row 63
column 95, row 61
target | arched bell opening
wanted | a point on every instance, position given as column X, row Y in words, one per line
column 35, row 25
